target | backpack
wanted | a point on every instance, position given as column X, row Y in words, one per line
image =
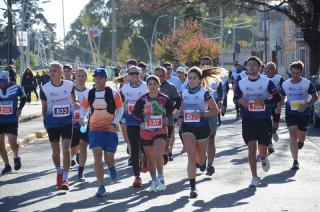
column 111, row 106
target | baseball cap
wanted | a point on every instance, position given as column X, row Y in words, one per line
column 4, row 76
column 100, row 72
column 167, row 65
column 182, row 69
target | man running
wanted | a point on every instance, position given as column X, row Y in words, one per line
column 9, row 118
column 172, row 93
column 234, row 74
column 298, row 107
column 255, row 94
column 270, row 71
column 58, row 97
column 106, row 112
column 67, row 72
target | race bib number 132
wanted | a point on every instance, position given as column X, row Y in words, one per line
column 61, row 111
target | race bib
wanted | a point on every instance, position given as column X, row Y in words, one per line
column 61, row 111
column 255, row 107
column 155, row 122
column 6, row 109
column 295, row 105
column 190, row 117
column 130, row 108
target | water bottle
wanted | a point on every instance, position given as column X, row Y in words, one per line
column 84, row 125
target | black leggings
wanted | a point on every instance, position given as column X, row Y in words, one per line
column 134, row 139
column 28, row 91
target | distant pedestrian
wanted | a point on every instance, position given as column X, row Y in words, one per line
column 28, row 83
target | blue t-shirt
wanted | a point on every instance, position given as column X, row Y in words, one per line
column 176, row 82
column 9, row 103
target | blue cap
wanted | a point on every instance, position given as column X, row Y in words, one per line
column 100, row 72
column 4, row 76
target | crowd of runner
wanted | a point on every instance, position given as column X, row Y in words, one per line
column 149, row 107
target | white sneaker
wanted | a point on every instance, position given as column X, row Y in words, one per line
column 255, row 182
column 265, row 165
column 153, row 186
column 161, row 185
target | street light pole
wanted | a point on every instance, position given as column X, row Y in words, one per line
column 64, row 30
column 154, row 29
column 144, row 40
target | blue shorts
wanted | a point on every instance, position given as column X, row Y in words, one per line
column 108, row 141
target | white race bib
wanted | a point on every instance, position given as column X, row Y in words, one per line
column 6, row 108
column 190, row 117
column 255, row 107
column 155, row 122
column 61, row 111
column 295, row 105
column 130, row 108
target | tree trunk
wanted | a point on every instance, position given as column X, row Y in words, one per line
column 312, row 38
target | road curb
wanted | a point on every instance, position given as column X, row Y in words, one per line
column 29, row 138
column 29, row 118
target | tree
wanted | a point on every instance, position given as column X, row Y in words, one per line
column 189, row 44
column 305, row 14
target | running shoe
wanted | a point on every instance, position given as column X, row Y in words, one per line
column 17, row 163
column 7, row 169
column 113, row 173
column 80, row 175
column 300, row 144
column 101, row 191
column 210, row 170
column 65, row 185
column 295, row 165
column 161, row 185
column 270, row 149
column 275, row 135
column 153, row 186
column 73, row 163
column 265, row 165
column 254, row 182
column 193, row 193
column 170, row 156
column 137, row 182
column 59, row 180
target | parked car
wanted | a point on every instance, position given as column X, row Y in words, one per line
column 315, row 114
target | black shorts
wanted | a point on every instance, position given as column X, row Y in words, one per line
column 201, row 133
column 9, row 128
column 77, row 136
column 170, row 130
column 63, row 132
column 257, row 130
column 301, row 121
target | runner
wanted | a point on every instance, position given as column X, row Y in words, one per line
column 194, row 124
column 106, row 112
column 9, row 118
column 206, row 61
column 182, row 73
column 225, row 88
column 298, row 107
column 255, row 94
column 130, row 93
column 170, row 78
column 57, row 98
column 67, row 72
column 233, row 75
column 270, row 71
column 145, row 74
column 172, row 93
column 80, row 139
column 153, row 110
column 175, row 66
column 217, row 94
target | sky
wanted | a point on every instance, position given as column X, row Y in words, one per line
column 53, row 12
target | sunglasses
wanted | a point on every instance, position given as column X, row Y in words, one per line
column 134, row 73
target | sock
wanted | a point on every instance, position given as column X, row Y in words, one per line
column 65, row 176
column 192, row 184
column 209, row 164
column 59, row 170
column 81, row 168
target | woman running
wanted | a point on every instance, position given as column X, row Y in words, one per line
column 197, row 107
column 153, row 110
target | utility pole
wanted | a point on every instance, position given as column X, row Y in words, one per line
column 114, row 34
column 265, row 36
column 10, row 31
column 221, row 35
column 64, row 31
column 174, row 28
